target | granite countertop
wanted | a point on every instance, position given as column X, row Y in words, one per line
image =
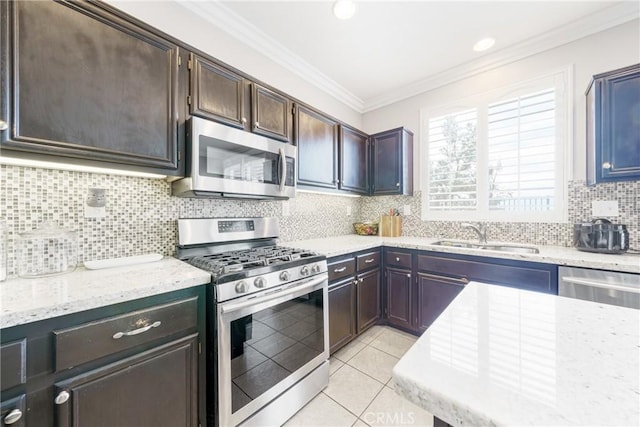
column 340, row 245
column 29, row 300
column 499, row 356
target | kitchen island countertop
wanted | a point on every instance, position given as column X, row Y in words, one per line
column 29, row 300
column 499, row 356
column 340, row 245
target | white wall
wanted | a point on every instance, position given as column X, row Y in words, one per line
column 600, row 52
column 181, row 23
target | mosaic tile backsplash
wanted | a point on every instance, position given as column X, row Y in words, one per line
column 141, row 214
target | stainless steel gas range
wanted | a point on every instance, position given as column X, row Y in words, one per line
column 267, row 319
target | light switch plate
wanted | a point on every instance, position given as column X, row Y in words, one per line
column 607, row 208
column 348, row 210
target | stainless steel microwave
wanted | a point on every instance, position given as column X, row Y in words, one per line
column 226, row 162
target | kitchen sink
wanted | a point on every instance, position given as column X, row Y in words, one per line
column 488, row 246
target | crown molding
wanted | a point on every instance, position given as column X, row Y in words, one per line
column 599, row 21
column 236, row 26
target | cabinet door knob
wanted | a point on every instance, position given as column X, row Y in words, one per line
column 397, row 259
column 62, row 397
column 4, row 126
column 12, row 417
column 397, row 184
column 408, row 275
column 257, row 124
column 244, row 120
column 607, row 165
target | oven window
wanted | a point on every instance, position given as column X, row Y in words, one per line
column 270, row 345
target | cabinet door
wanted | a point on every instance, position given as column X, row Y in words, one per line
column 392, row 162
column 368, row 299
column 354, row 161
column 317, row 140
column 13, row 412
column 399, row 297
column 270, row 113
column 342, row 327
column 435, row 293
column 152, row 389
column 620, row 140
column 216, row 93
column 85, row 83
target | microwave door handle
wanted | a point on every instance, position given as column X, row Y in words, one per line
column 283, row 169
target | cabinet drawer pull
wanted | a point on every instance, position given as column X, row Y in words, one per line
column 12, row 417
column 144, row 329
column 62, row 397
column 463, row 280
column 339, row 270
column 369, row 261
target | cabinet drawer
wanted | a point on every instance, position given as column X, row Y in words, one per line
column 91, row 341
column 398, row 259
column 367, row 261
column 524, row 276
column 341, row 269
column 13, row 358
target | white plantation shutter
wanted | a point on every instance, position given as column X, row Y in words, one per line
column 500, row 155
column 452, row 161
column 521, row 153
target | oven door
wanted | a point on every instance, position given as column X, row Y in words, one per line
column 267, row 343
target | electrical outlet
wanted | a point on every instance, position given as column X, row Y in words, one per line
column 95, row 204
column 348, row 210
column 607, row 208
column 406, row 210
column 285, row 208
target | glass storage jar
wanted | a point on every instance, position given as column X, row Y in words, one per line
column 46, row 251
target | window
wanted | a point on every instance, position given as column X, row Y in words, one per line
column 499, row 156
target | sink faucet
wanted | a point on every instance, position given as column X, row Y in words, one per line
column 480, row 229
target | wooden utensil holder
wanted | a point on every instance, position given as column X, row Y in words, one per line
column 390, row 226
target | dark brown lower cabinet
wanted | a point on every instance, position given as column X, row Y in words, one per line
column 342, row 328
column 399, row 298
column 368, row 299
column 13, row 411
column 435, row 293
column 156, row 388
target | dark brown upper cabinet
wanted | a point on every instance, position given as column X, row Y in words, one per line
column 392, row 162
column 317, row 141
column 216, row 93
column 220, row 94
column 270, row 113
column 87, row 83
column 613, row 128
column 354, row 161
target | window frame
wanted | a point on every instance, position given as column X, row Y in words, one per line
column 562, row 80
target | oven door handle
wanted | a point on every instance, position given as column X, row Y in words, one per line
column 229, row 308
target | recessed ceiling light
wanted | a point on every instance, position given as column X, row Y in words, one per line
column 344, row 9
column 484, row 44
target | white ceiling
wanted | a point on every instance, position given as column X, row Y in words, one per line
column 393, row 49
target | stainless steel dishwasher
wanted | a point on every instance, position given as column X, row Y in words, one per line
column 607, row 287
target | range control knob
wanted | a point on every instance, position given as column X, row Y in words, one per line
column 315, row 269
column 260, row 282
column 284, row 276
column 242, row 287
column 304, row 270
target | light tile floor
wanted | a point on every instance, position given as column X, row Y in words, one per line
column 360, row 391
